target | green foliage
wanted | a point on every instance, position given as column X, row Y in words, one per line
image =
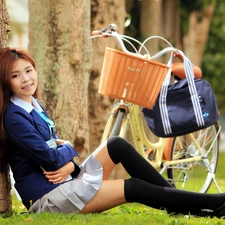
column 193, row 5
column 187, row 7
column 214, row 57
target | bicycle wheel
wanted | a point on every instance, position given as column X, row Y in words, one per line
column 195, row 176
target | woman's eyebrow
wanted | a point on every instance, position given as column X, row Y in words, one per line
column 16, row 71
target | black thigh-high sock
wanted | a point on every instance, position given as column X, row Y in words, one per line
column 172, row 199
column 121, row 151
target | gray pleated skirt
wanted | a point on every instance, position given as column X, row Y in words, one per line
column 72, row 196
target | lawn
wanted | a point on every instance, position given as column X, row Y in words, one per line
column 125, row 214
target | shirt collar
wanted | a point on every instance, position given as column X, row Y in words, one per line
column 26, row 106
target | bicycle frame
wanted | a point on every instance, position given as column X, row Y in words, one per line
column 169, row 153
column 162, row 147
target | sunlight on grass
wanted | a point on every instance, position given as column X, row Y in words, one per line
column 17, row 206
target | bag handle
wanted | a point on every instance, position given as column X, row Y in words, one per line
column 193, row 93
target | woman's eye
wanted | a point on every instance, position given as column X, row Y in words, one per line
column 29, row 70
column 15, row 75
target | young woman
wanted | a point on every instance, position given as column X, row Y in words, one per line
column 46, row 175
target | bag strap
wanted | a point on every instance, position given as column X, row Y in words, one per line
column 162, row 101
column 193, row 93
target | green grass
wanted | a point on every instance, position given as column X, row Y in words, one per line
column 125, row 214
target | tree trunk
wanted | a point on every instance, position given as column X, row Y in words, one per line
column 194, row 41
column 171, row 22
column 5, row 185
column 160, row 18
column 150, row 23
column 103, row 13
column 59, row 41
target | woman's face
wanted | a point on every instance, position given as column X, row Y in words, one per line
column 23, row 80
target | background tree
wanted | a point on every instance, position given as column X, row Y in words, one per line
column 213, row 55
column 5, row 187
column 59, row 41
column 103, row 13
column 199, row 16
column 184, row 25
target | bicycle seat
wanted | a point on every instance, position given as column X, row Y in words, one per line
column 178, row 70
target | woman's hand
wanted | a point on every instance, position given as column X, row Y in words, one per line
column 61, row 142
column 61, row 174
column 178, row 55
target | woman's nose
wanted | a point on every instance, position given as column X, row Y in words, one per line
column 25, row 78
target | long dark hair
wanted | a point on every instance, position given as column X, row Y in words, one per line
column 8, row 56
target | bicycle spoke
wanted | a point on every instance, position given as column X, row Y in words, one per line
column 197, row 175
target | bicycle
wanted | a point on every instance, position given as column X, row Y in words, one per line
column 189, row 161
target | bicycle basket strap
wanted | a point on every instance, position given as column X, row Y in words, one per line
column 193, row 93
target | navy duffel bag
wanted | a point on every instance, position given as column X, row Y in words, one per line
column 178, row 116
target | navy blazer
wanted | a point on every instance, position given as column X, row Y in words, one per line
column 28, row 134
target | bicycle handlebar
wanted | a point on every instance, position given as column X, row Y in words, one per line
column 99, row 33
column 111, row 32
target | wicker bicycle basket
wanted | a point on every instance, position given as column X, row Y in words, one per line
column 131, row 78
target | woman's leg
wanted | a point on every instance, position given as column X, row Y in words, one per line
column 116, row 192
column 147, row 186
column 121, row 151
column 110, row 194
column 117, row 150
column 102, row 155
column 172, row 199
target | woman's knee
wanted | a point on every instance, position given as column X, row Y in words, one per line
column 110, row 194
column 115, row 140
column 116, row 147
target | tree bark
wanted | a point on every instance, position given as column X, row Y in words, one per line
column 5, row 185
column 59, row 41
column 194, row 41
column 160, row 18
column 171, row 22
column 150, row 23
column 103, row 13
